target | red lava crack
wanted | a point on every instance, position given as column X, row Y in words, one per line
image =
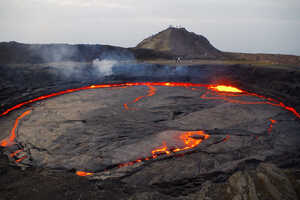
column 191, row 139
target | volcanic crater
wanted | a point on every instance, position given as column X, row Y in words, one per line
column 151, row 132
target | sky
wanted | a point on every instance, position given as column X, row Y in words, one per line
column 250, row 26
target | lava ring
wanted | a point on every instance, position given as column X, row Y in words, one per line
column 95, row 130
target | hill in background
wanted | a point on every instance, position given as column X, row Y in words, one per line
column 168, row 44
column 181, row 43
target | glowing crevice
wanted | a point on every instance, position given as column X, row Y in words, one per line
column 216, row 88
column 151, row 92
column 82, row 173
column 190, row 140
column 215, row 92
column 11, row 139
column 272, row 121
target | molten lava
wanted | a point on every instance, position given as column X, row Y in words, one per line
column 151, row 92
column 11, row 139
column 161, row 150
column 81, row 173
column 226, row 88
column 15, row 153
column 20, row 159
column 271, row 125
column 167, row 84
column 189, row 140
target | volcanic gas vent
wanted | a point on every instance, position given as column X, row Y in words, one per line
column 113, row 129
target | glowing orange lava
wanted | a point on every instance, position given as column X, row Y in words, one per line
column 269, row 101
column 189, row 139
column 167, row 84
column 11, row 139
column 160, row 150
column 81, row 173
column 20, row 159
column 151, row 92
column 271, row 125
column 16, row 155
column 226, row 88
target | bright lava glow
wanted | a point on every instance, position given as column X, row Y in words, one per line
column 271, row 125
column 81, row 173
column 151, row 92
column 11, row 139
column 226, row 88
column 189, row 139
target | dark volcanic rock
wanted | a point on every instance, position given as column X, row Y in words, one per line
column 91, row 130
column 266, row 182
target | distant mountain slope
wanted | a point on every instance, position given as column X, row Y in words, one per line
column 180, row 42
column 167, row 45
column 14, row 52
column 267, row 58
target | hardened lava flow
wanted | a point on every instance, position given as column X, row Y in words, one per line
column 190, row 139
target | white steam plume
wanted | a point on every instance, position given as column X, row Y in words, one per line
column 105, row 66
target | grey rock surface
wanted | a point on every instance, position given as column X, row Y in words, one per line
column 92, row 131
column 241, row 159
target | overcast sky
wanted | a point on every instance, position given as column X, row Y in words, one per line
column 255, row 26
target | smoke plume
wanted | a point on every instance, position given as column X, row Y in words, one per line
column 104, row 67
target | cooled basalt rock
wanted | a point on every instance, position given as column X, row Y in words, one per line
column 92, row 131
column 266, row 182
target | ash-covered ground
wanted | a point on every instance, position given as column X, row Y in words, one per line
column 252, row 151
